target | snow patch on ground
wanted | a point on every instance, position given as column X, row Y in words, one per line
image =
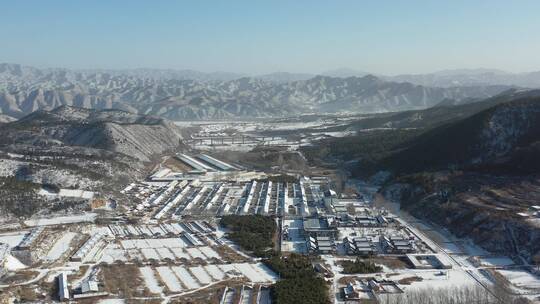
column 12, row 238
column 9, row 167
column 61, row 246
column 60, row 220
column 13, row 264
column 168, row 277
column 521, row 278
column 150, row 279
column 496, row 261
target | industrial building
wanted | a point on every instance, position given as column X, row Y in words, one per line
column 25, row 250
column 63, row 289
column 87, row 247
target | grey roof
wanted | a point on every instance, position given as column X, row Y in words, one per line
column 89, row 286
column 401, row 243
column 324, row 243
column 325, row 248
column 323, row 238
column 315, row 223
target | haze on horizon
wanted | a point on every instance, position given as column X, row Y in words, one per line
column 398, row 37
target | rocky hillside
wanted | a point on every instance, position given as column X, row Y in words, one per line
column 136, row 136
column 489, row 137
column 25, row 89
column 76, row 148
column 482, row 207
column 420, row 140
column 475, row 176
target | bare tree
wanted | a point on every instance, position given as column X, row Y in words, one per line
column 460, row 295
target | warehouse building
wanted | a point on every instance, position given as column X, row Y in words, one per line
column 87, row 247
column 63, row 289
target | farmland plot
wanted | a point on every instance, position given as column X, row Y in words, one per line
column 150, row 279
column 186, row 278
column 112, row 253
column 168, row 276
column 60, row 247
column 249, row 272
column 215, row 272
column 254, row 272
column 165, row 253
column 150, row 253
column 135, row 254
column 196, row 253
column 201, row 275
column 181, row 253
column 209, row 252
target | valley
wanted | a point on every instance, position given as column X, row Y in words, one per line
column 162, row 204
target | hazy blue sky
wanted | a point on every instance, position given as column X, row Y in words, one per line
column 265, row 36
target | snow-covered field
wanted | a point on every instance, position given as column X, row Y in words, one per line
column 182, row 278
column 60, row 220
column 150, row 253
column 113, row 252
column 195, row 253
column 153, row 243
column 496, row 261
column 436, row 280
column 209, row 252
column 216, row 273
column 150, row 279
column 12, row 238
column 169, row 278
column 257, row 129
column 167, row 248
column 68, row 193
column 185, row 277
column 11, row 263
column 201, row 275
column 60, row 247
column 254, row 272
column 521, row 278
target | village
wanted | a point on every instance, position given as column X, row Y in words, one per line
column 165, row 243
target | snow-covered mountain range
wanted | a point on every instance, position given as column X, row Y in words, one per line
column 187, row 95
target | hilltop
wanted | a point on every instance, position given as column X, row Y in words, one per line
column 77, row 148
column 137, row 136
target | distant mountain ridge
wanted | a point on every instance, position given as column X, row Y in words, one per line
column 24, row 90
column 471, row 77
